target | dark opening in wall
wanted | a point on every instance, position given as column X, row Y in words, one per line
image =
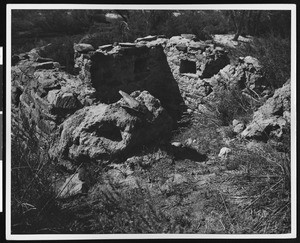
column 109, row 131
column 187, row 66
column 140, row 65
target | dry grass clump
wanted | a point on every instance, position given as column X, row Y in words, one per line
column 33, row 209
column 255, row 196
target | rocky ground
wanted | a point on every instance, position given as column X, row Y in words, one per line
column 158, row 136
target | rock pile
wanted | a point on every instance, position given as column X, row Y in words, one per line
column 46, row 96
column 92, row 114
column 246, row 76
column 129, row 67
column 156, row 64
column 272, row 117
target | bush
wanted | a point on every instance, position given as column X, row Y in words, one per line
column 274, row 54
column 41, row 23
column 232, row 104
column 33, row 209
column 201, row 23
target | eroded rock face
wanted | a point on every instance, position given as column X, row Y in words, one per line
column 246, row 76
column 103, row 131
column 271, row 118
column 46, row 95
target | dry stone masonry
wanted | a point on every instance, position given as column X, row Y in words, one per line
column 129, row 94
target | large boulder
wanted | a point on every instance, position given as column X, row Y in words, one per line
column 271, row 118
column 102, row 131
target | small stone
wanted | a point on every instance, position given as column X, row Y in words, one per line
column 104, row 47
column 45, row 65
column 235, row 122
column 189, row 142
column 224, row 153
column 72, row 186
column 83, row 48
column 44, row 59
column 239, row 128
column 176, row 144
column 181, row 47
column 146, row 38
column 189, row 36
column 127, row 44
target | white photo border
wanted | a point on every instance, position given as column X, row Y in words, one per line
column 291, row 7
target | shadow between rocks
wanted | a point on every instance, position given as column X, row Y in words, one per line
column 181, row 153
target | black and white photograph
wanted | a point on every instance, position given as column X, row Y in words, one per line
column 1, row 79
column 158, row 121
column 1, row 162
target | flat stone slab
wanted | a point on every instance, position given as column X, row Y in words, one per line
column 147, row 38
column 127, row 44
column 189, row 36
column 105, row 46
column 82, row 47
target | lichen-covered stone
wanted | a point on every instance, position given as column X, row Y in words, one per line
column 103, row 131
column 270, row 119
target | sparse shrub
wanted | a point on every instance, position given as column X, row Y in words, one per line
column 33, row 209
column 201, row 23
column 60, row 51
column 232, row 104
column 274, row 54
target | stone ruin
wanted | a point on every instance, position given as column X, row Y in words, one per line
column 92, row 116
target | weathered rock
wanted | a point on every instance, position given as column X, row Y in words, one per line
column 47, row 96
column 270, row 119
column 102, row 131
column 181, row 47
column 246, row 75
column 177, row 144
column 127, row 44
column 147, row 38
column 44, row 59
column 198, row 46
column 238, row 126
column 47, row 65
column 224, row 153
column 63, row 100
column 72, row 186
column 83, row 48
column 133, row 103
column 189, row 36
column 105, row 47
